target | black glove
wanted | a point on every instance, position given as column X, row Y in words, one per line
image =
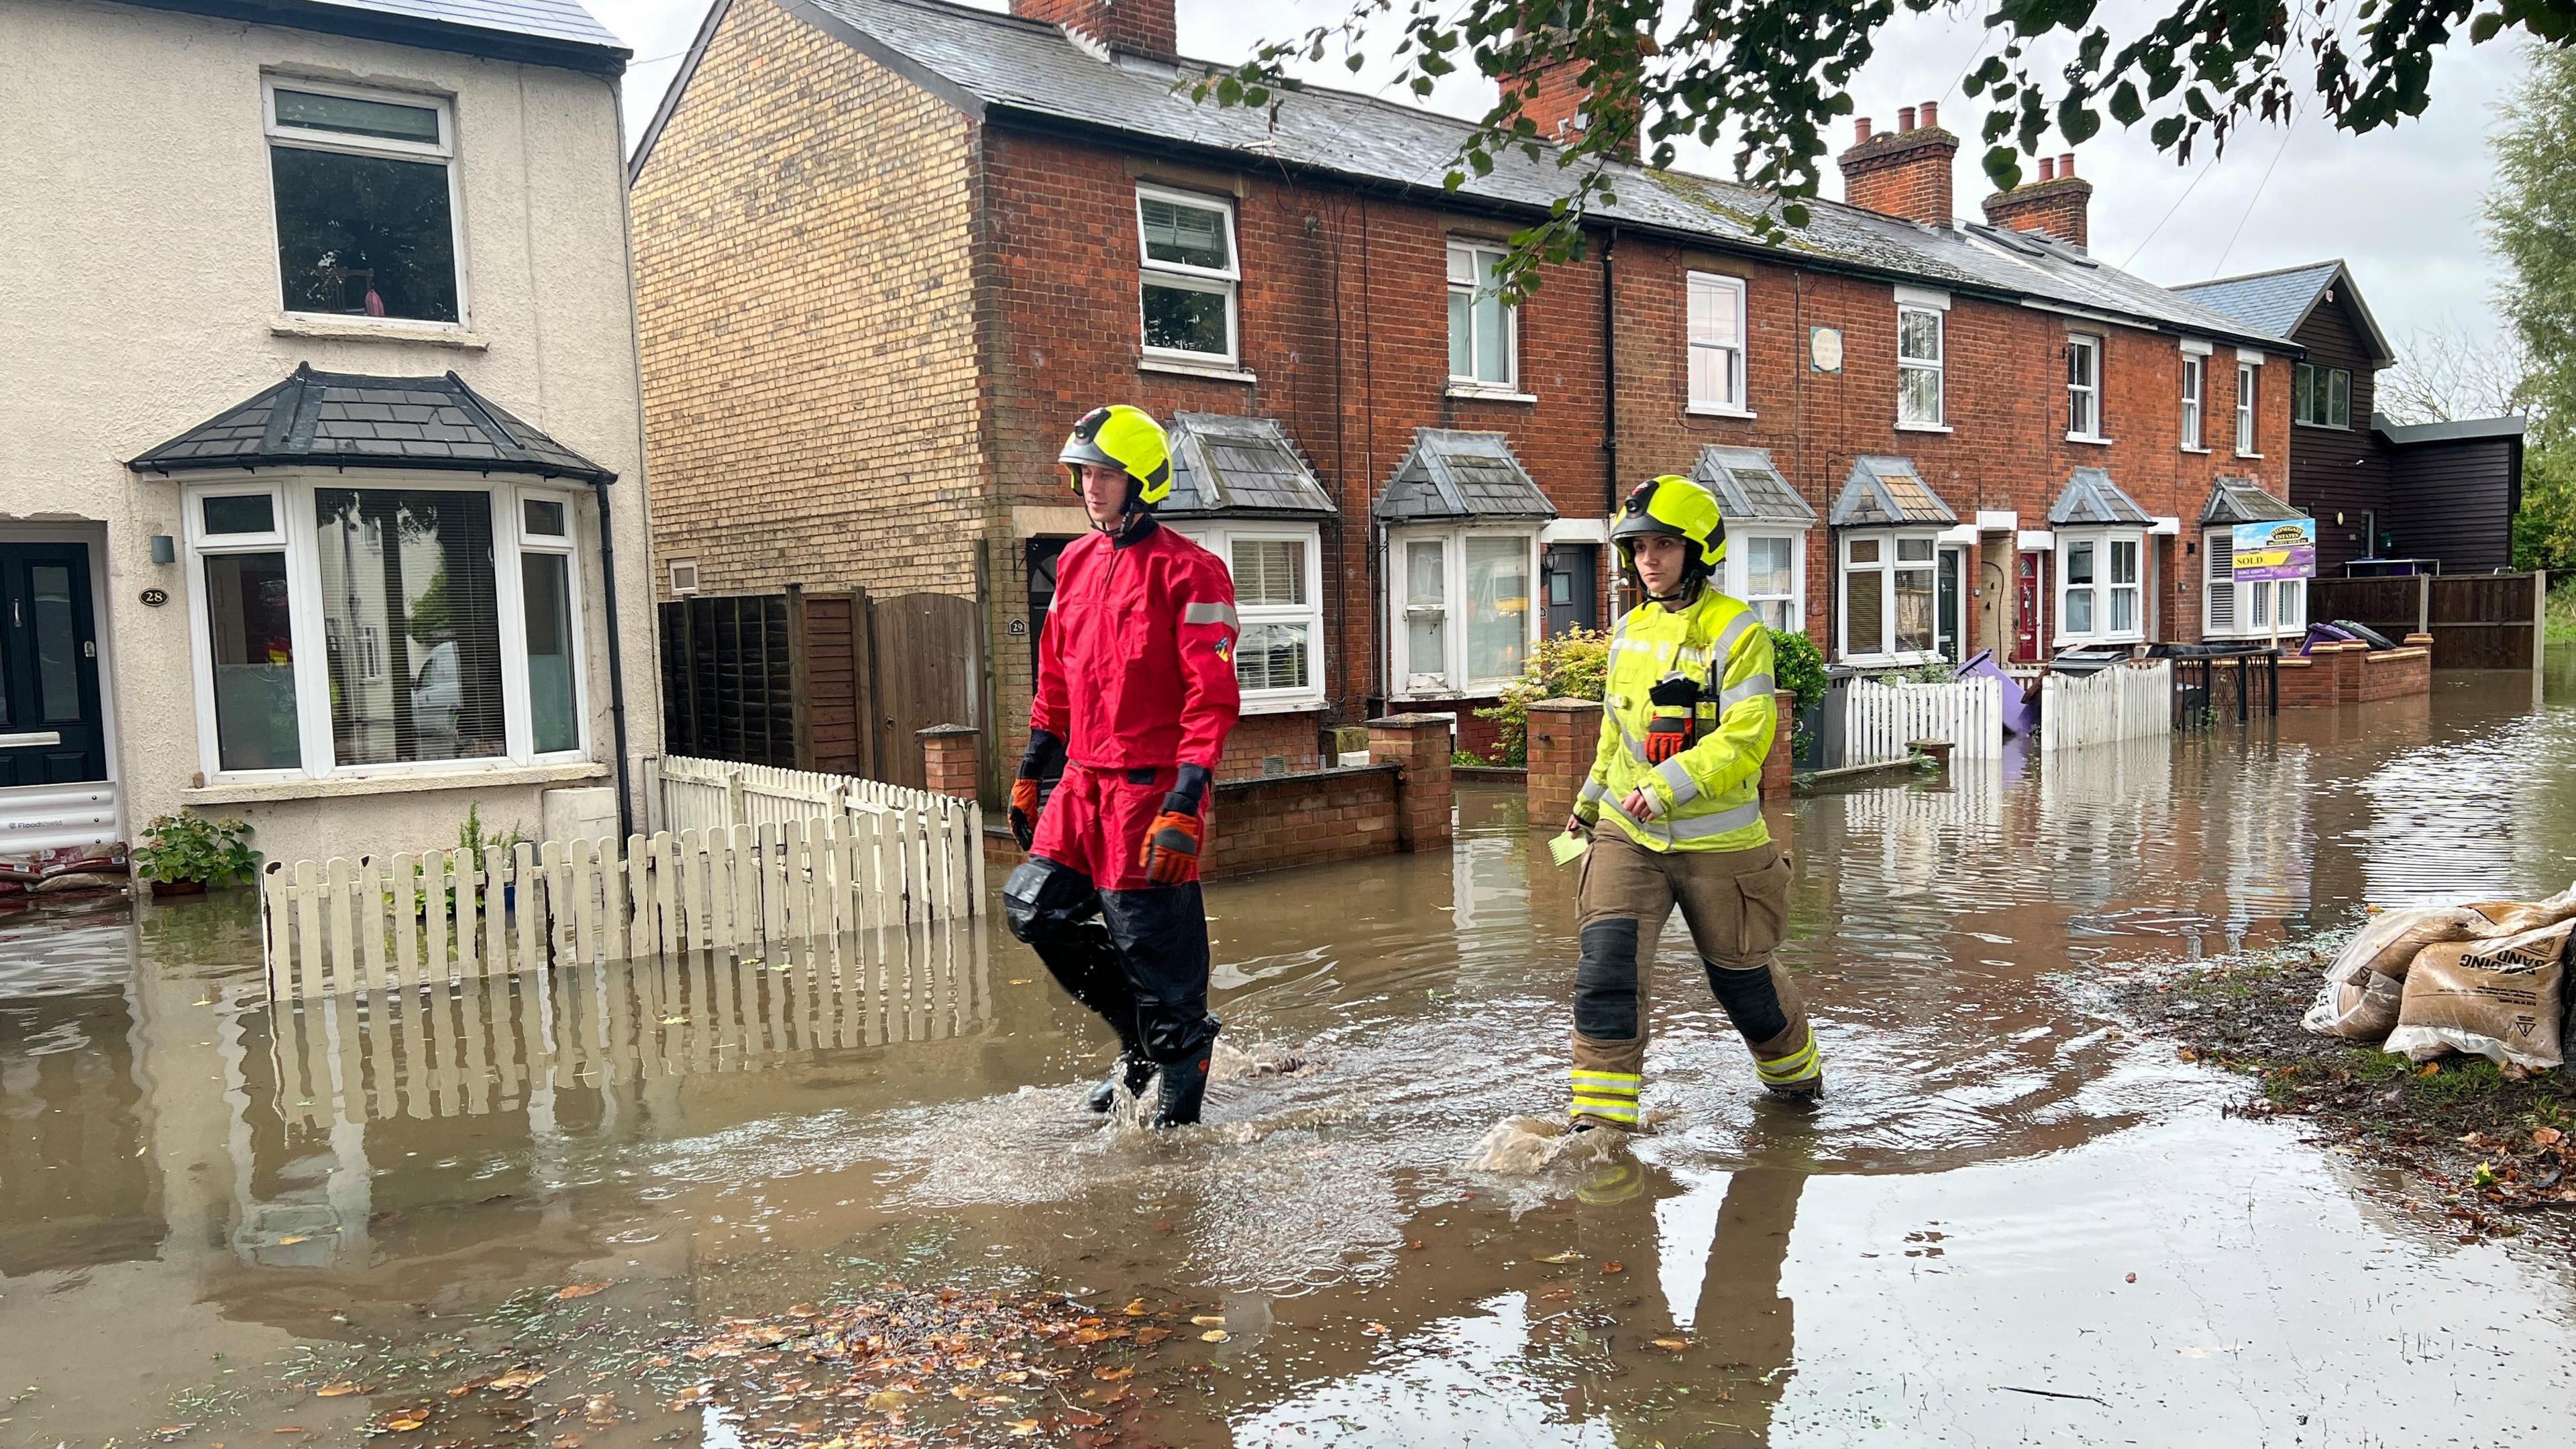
column 1041, row 765
column 1187, row 792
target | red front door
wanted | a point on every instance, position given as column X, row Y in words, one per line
column 2030, row 627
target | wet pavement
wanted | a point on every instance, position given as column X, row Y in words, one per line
column 224, row 1222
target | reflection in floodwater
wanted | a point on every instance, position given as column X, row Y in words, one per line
column 1938, row 1254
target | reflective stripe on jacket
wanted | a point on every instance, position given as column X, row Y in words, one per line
column 1709, row 794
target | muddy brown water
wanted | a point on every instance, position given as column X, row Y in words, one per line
column 209, row 1206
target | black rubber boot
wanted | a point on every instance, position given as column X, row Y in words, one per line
column 1184, row 1089
column 1132, row 1071
column 1808, row 1093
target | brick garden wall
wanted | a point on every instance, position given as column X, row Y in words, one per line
column 1303, row 819
column 1295, row 740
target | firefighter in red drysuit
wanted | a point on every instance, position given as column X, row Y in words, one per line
column 1135, row 693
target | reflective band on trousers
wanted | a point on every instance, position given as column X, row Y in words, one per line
column 1210, row 614
column 1611, row 1096
column 1797, row 1066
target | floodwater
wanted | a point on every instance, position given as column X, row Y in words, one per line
column 2009, row 1222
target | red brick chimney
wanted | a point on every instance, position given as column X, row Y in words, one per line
column 1140, row 27
column 1557, row 106
column 2056, row 204
column 1904, row 172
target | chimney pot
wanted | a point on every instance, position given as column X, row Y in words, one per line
column 1904, row 119
column 2047, row 169
column 1860, row 130
column 1904, row 173
column 1931, row 114
column 2065, row 164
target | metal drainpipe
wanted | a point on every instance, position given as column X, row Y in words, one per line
column 616, row 653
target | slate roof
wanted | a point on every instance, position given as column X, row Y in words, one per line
column 546, row 31
column 2242, row 500
column 1884, row 491
column 2279, row 301
column 1239, row 467
column 1748, row 488
column 1451, row 475
column 352, row 420
column 2090, row 497
column 993, row 65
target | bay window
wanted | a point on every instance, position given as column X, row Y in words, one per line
column 1768, row 571
column 2099, row 598
column 2245, row 610
column 1279, row 605
column 1887, row 597
column 1189, row 275
column 419, row 625
column 1464, row 621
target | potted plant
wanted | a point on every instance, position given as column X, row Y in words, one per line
column 1798, row 667
column 184, row 854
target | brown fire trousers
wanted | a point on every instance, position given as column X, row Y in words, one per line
column 1736, row 905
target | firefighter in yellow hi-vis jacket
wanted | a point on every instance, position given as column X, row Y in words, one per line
column 1686, row 719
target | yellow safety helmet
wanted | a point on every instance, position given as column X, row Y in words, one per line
column 1119, row 436
column 1674, row 507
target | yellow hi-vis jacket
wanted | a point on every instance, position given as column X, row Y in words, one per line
column 1710, row 794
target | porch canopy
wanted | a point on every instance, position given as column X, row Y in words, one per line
column 1451, row 476
column 1749, row 489
column 355, row 420
column 2242, row 500
column 1885, row 492
column 2091, row 500
column 1236, row 467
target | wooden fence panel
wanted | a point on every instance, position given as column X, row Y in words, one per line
column 2123, row 702
column 1883, row 717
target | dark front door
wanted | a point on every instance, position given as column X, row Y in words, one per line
column 1571, row 574
column 50, row 730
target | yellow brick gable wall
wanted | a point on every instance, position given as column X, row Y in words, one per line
column 804, row 286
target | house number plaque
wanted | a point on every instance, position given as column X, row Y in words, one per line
column 155, row 598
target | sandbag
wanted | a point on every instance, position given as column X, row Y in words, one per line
column 2502, row 999
column 2363, row 1010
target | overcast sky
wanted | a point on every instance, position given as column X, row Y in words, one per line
column 2401, row 206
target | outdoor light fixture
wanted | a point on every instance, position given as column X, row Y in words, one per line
column 165, row 549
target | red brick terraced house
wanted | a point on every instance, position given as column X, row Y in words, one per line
column 889, row 249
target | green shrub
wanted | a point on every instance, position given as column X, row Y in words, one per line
column 192, row 848
column 1571, row 665
column 1798, row 667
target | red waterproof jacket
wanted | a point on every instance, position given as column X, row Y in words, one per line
column 1136, row 665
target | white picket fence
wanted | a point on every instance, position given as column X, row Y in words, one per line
column 696, row 794
column 2124, row 702
column 490, row 1045
column 1881, row 718
column 342, row 926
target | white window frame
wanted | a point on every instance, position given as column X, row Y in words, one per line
column 2250, row 605
column 1220, row 538
column 1474, row 250
column 2195, row 393
column 2084, row 399
column 1739, row 568
column 298, row 537
column 1451, row 668
column 2103, row 542
column 1937, row 366
column 2249, row 373
column 1730, row 350
column 1884, row 654
column 302, row 138
column 1225, row 281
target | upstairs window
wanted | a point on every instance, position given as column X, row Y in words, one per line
column 1483, row 347
column 366, row 202
column 1918, row 367
column 1189, row 276
column 2246, row 373
column 2321, row 397
column 2084, row 387
column 1716, row 342
column 2195, row 386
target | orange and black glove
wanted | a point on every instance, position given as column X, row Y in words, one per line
column 1672, row 727
column 1043, row 760
column 1170, row 854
